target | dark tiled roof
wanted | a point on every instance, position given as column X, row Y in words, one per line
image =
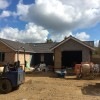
column 42, row 47
column 90, row 43
column 35, row 47
column 15, row 45
column 45, row 47
column 87, row 44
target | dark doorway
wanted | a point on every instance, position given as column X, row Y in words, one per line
column 70, row 58
column 36, row 58
column 48, row 58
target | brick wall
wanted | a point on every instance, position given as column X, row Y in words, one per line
column 21, row 58
column 71, row 45
column 9, row 54
column 57, row 60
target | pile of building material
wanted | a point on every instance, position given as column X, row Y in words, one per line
column 41, row 67
column 61, row 73
column 87, row 70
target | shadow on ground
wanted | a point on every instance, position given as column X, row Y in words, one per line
column 93, row 90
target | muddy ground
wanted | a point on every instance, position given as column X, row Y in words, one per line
column 45, row 86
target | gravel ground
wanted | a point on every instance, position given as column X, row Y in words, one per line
column 45, row 86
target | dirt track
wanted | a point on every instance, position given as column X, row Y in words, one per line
column 44, row 86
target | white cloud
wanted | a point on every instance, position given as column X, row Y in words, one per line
column 3, row 4
column 82, row 36
column 22, row 10
column 96, row 43
column 61, row 15
column 32, row 33
column 58, row 18
column 60, row 37
column 37, row 34
column 5, row 14
column 84, row 4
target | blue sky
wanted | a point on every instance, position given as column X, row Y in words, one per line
column 37, row 20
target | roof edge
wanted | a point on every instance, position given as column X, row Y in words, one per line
column 75, row 39
column 7, row 45
column 25, row 51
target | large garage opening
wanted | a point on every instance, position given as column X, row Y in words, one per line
column 70, row 58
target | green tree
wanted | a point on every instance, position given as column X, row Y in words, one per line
column 49, row 41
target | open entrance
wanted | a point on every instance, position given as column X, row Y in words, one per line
column 36, row 59
column 48, row 58
column 70, row 58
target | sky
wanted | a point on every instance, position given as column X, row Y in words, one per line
column 39, row 20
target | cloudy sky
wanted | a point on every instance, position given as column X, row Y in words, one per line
column 37, row 20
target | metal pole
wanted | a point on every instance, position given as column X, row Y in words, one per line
column 24, row 57
column 18, row 55
column 24, row 60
